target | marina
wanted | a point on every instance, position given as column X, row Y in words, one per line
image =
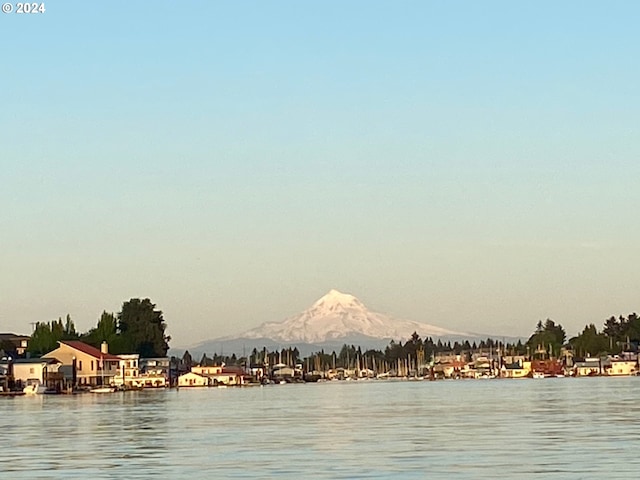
column 320, row 240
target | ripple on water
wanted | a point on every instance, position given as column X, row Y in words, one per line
column 552, row 428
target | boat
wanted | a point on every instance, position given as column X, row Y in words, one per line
column 34, row 387
column 103, row 389
column 11, row 393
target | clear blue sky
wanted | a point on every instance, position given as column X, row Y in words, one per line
column 473, row 165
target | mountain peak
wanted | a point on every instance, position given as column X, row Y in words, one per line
column 337, row 295
column 335, row 299
column 341, row 315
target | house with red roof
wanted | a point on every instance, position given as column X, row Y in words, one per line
column 84, row 364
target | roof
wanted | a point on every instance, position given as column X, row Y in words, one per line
column 88, row 349
column 586, row 365
column 513, row 366
column 48, row 360
column 13, row 336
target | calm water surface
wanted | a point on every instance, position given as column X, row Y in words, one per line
column 478, row 429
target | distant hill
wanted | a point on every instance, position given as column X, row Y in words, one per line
column 335, row 319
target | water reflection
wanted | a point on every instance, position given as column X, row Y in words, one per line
column 556, row 428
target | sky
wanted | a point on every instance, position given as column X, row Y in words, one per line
column 472, row 165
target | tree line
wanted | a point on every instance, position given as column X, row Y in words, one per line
column 137, row 328
column 547, row 340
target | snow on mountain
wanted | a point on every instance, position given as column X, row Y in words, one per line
column 338, row 315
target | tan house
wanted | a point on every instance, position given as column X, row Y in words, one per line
column 227, row 377
column 220, row 375
column 88, row 365
column 588, row 368
column 519, row 369
column 34, row 371
column 41, row 370
column 205, row 371
column 620, row 367
column 192, row 379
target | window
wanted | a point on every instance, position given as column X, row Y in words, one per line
column 80, row 365
column 91, row 364
column 32, row 370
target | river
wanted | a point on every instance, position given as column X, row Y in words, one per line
column 478, row 429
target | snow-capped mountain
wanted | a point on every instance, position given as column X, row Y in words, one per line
column 339, row 315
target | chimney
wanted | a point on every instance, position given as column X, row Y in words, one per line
column 104, row 348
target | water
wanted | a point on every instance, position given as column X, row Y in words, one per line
column 477, row 429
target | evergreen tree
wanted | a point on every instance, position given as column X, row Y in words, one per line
column 46, row 335
column 548, row 337
column 105, row 331
column 142, row 329
column 590, row 342
column 42, row 339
